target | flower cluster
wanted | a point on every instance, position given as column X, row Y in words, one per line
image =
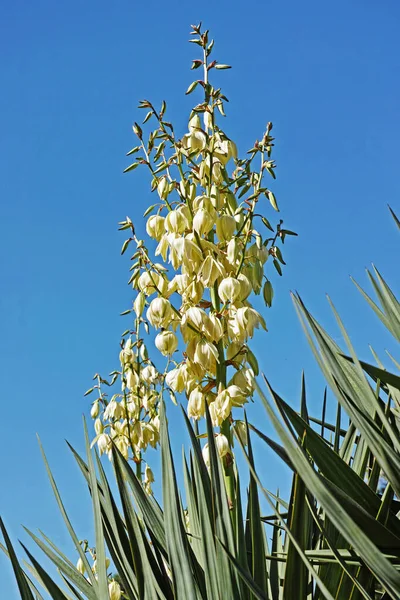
column 194, row 289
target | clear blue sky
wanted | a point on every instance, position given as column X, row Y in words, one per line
column 71, row 74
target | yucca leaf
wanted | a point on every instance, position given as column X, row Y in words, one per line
column 254, row 535
column 333, row 467
column 98, row 524
column 71, row 573
column 327, row 595
column 150, row 583
column 378, row 564
column 22, row 583
column 183, row 580
column 67, row 521
column 229, row 580
column 244, row 574
column 53, row 589
column 299, row 522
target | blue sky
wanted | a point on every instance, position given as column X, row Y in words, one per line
column 326, row 75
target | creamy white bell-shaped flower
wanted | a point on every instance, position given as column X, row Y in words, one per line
column 240, row 428
column 166, row 342
column 159, row 312
column 155, row 227
column 196, row 405
column 94, row 412
column 229, row 289
column 221, row 408
column 206, row 455
column 114, row 590
column 210, row 271
column 226, row 226
column 206, row 355
column 80, row 566
column 163, row 188
column 203, row 222
column 175, row 379
column 245, row 287
column 222, row 445
column 149, row 374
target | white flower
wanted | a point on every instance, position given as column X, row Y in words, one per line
column 95, row 410
column 203, row 222
column 159, row 312
column 245, row 287
column 166, row 342
column 222, row 444
column 241, row 430
column 175, row 379
column 229, row 289
column 206, row 455
column 114, row 590
column 113, row 410
column 206, row 355
column 226, row 226
column 80, row 566
column 213, row 328
column 210, row 271
column 155, row 227
column 98, row 426
column 139, row 304
column 225, row 150
column 220, row 409
column 175, row 221
column 149, row 374
column 148, row 475
column 163, row 188
column 103, row 443
column 196, row 405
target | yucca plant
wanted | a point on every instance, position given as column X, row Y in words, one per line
column 338, row 534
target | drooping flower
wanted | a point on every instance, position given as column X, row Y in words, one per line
column 166, row 342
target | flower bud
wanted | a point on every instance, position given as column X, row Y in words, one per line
column 139, row 304
column 215, row 197
column 206, row 455
column 208, row 121
column 194, row 123
column 159, row 312
column 240, row 429
column 229, row 289
column 155, row 227
column 163, row 188
column 196, row 405
column 203, row 222
column 166, row 342
column 148, row 475
column 114, row 590
column 222, row 444
column 232, row 251
column 80, row 566
column 94, row 413
column 98, row 426
column 226, row 226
